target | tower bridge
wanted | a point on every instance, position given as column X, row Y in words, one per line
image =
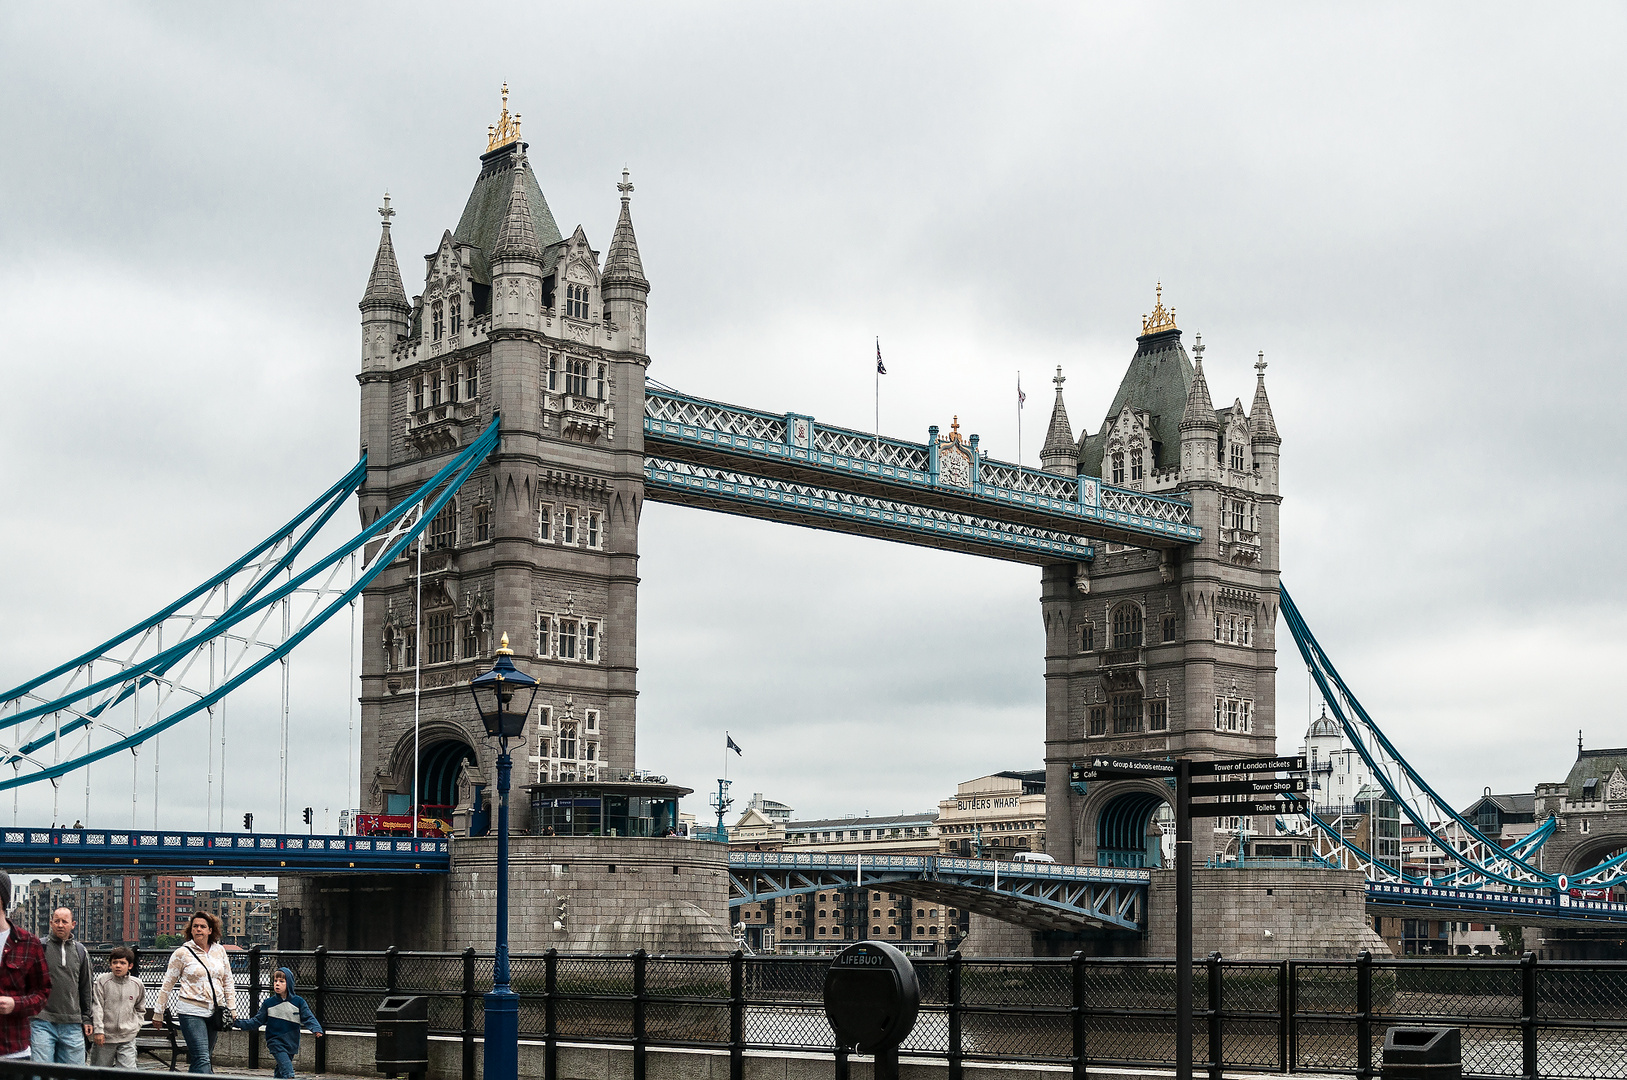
column 510, row 435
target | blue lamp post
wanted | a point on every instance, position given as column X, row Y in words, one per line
column 494, row 699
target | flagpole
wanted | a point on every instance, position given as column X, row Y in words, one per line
column 878, row 390
column 1019, row 418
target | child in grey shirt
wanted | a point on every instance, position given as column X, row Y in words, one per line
column 116, row 1012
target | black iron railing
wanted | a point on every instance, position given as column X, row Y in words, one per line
column 1547, row 1020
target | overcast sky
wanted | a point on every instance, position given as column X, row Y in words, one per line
column 1415, row 211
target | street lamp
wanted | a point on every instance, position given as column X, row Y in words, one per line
column 494, row 696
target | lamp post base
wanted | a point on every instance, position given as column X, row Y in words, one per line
column 502, row 1034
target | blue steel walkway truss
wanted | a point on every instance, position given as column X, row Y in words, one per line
column 788, row 467
column 1043, row 896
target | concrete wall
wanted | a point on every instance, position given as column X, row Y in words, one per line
column 1267, row 914
column 353, row 1055
column 619, row 894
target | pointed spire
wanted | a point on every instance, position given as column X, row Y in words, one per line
column 1262, row 425
column 384, row 283
column 622, row 265
column 518, row 237
column 1200, row 411
column 1059, row 451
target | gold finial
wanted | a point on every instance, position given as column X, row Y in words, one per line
column 954, row 430
column 503, row 649
column 1160, row 319
column 625, row 187
column 507, row 128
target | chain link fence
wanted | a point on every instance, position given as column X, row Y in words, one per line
column 1553, row 1020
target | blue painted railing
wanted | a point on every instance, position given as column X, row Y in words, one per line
column 217, row 852
column 1545, row 905
column 888, row 518
column 678, row 420
column 933, row 864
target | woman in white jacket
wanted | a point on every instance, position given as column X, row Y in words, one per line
column 201, row 974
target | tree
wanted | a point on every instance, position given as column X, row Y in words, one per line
column 166, row 941
column 1513, row 938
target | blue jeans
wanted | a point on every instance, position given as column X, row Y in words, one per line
column 200, row 1043
column 63, row 1044
column 285, row 1065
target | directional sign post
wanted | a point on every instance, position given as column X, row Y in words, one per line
column 1250, row 787
column 1244, row 809
column 1248, row 765
column 1183, row 919
column 1183, row 770
column 1115, row 768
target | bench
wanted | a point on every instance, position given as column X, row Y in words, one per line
column 157, row 1042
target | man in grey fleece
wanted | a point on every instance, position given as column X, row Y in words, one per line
column 59, row 1032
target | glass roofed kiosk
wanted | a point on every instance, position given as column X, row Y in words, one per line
column 606, row 808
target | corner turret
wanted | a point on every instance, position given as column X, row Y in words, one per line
column 623, row 287
column 384, row 307
column 517, row 259
column 1264, row 442
column 1199, row 425
column 1059, row 454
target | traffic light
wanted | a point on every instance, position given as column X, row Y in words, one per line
column 248, row 822
column 307, row 815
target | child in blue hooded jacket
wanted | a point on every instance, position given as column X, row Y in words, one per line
column 283, row 1014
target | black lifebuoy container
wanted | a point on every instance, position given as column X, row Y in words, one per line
column 871, row 997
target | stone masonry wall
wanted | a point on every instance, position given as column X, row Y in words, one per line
column 1267, row 914
column 620, row 893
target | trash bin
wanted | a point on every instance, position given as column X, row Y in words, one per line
column 401, row 1030
column 1423, row 1053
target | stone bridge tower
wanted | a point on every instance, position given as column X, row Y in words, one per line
column 516, row 320
column 1156, row 655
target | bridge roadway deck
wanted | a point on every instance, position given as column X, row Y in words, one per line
column 1547, row 908
column 826, row 461
column 264, row 854
column 1043, row 896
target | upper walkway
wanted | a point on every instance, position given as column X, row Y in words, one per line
column 789, row 467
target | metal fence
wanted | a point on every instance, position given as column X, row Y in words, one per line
column 1565, row 1020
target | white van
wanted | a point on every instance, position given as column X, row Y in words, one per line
column 1032, row 856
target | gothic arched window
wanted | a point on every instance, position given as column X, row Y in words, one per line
column 457, row 315
column 576, row 377
column 1127, row 627
column 1118, row 468
column 437, row 321
column 576, row 301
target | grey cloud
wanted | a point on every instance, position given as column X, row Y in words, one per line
column 1415, row 214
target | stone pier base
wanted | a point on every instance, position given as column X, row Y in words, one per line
column 572, row 893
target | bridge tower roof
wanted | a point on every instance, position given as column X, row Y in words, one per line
column 487, row 210
column 1156, row 382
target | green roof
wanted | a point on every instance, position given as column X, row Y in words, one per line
column 1597, row 765
column 483, row 215
column 1157, row 380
